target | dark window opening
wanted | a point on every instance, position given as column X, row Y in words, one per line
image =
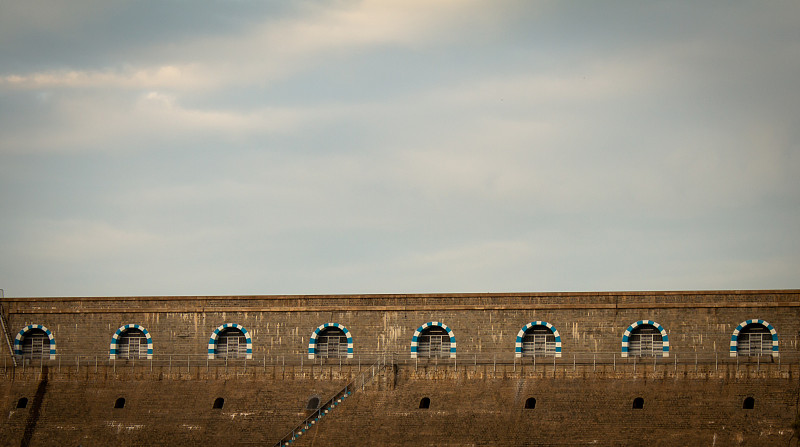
column 638, row 403
column 434, row 342
column 530, row 404
column 120, row 403
column 754, row 340
column 331, row 343
column 749, row 403
column 132, row 344
column 425, row 402
column 218, row 403
column 538, row 341
column 313, row 403
column 22, row 402
column 645, row 341
column 231, row 343
column 35, row 344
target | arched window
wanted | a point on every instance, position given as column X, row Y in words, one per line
column 218, row 403
column 538, row 341
column 313, row 403
column 22, row 402
column 433, row 342
column 754, row 339
column 749, row 403
column 132, row 344
column 645, row 341
column 638, row 403
column 35, row 344
column 120, row 403
column 131, row 341
column 530, row 403
column 331, row 343
column 231, row 343
column 425, row 402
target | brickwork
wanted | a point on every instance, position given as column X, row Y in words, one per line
column 477, row 397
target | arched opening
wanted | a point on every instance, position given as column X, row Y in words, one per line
column 638, row 403
column 645, row 341
column 538, row 341
column 425, row 402
column 434, row 342
column 120, row 403
column 35, row 344
column 132, row 344
column 754, row 339
column 22, row 402
column 749, row 403
column 218, row 403
column 530, row 403
column 313, row 403
column 331, row 343
column 231, row 343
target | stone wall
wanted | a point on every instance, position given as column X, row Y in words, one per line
column 481, row 323
column 695, row 396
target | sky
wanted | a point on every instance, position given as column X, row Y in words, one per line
column 331, row 147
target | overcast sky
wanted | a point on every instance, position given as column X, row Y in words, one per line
column 252, row 147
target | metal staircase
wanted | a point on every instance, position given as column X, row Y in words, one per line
column 5, row 330
column 360, row 381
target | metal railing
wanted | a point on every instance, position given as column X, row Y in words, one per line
column 6, row 334
column 359, row 382
column 359, row 360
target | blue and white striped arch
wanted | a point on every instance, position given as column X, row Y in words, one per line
column 627, row 334
column 521, row 335
column 212, row 342
column 112, row 350
column 25, row 330
column 415, row 338
column 735, row 336
column 312, row 342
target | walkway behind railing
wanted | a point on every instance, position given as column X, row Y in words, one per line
column 363, row 379
column 186, row 365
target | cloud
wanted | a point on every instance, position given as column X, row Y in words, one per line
column 168, row 76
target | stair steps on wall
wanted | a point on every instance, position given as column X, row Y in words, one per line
column 6, row 335
column 360, row 381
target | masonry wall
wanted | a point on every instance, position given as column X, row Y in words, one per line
column 477, row 404
column 482, row 323
column 695, row 396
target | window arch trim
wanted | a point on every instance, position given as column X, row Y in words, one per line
column 664, row 337
column 415, row 338
column 112, row 350
column 28, row 328
column 735, row 336
column 521, row 335
column 212, row 342
column 312, row 341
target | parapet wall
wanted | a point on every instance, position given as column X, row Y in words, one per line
column 700, row 322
